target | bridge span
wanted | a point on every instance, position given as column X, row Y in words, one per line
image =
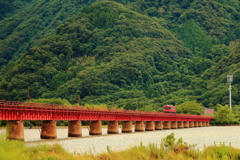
column 15, row 113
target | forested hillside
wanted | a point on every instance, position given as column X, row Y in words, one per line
column 123, row 51
column 32, row 21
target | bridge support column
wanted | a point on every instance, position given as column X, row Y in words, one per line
column 49, row 130
column 174, row 125
column 126, row 126
column 195, row 123
column 15, row 130
column 149, row 126
column 74, row 129
column 207, row 124
column 139, row 126
column 186, row 124
column 180, row 124
column 191, row 124
column 204, row 124
column 199, row 123
column 112, row 127
column 167, row 125
column 158, row 125
column 95, row 128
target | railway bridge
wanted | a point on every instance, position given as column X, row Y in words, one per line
column 15, row 113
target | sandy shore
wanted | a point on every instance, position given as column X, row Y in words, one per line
column 96, row 144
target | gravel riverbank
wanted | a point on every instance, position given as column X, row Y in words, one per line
column 96, row 144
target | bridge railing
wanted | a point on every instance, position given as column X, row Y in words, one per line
column 17, row 104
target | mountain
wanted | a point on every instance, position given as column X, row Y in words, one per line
column 117, row 53
column 24, row 23
column 217, row 91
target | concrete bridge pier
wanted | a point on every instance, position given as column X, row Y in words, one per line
column 199, row 123
column 112, row 127
column 15, row 130
column 180, row 124
column 174, row 125
column 204, row 124
column 95, row 128
column 150, row 126
column 126, row 126
column 139, row 126
column 195, row 123
column 158, row 125
column 186, row 124
column 167, row 125
column 49, row 130
column 207, row 123
column 74, row 129
column 191, row 124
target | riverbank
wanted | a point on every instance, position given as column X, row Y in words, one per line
column 169, row 148
column 201, row 136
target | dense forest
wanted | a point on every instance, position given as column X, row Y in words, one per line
column 121, row 52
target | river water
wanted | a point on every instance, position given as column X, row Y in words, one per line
column 200, row 136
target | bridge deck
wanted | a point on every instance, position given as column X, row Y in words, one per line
column 12, row 110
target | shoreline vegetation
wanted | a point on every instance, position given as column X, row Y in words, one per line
column 169, row 148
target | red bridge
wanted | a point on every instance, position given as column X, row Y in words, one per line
column 16, row 112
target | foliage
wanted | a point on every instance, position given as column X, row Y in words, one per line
column 224, row 116
column 52, row 101
column 18, row 150
column 236, row 111
column 170, row 144
column 210, row 15
column 96, row 106
column 168, row 149
column 171, row 150
column 153, row 52
column 191, row 107
column 19, row 33
column 194, row 37
column 56, row 69
column 221, row 152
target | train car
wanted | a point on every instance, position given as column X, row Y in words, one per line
column 169, row 109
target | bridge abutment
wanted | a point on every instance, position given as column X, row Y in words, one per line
column 167, row 125
column 158, row 125
column 174, row 125
column 180, row 124
column 126, row 126
column 139, row 126
column 112, row 127
column 186, row 124
column 49, row 130
column 15, row 130
column 150, row 126
column 95, row 128
column 74, row 128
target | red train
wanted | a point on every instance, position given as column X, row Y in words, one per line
column 169, row 109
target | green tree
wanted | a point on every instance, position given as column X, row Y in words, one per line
column 52, row 101
column 191, row 107
column 195, row 38
column 224, row 115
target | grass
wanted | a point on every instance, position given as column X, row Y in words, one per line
column 169, row 148
column 17, row 150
